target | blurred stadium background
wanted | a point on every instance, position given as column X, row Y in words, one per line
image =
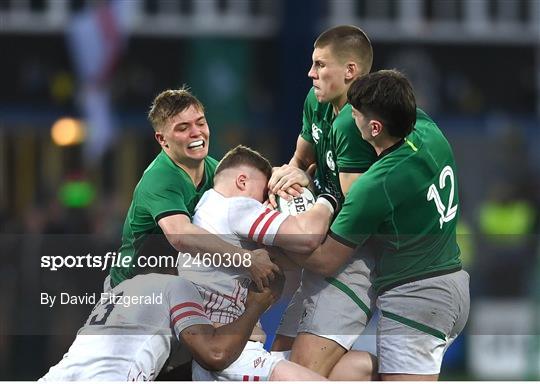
column 78, row 77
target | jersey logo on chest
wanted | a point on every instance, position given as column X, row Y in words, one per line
column 315, row 133
column 330, row 161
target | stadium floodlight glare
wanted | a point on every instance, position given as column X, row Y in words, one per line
column 68, row 131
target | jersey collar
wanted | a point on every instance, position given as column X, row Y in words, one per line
column 391, row 149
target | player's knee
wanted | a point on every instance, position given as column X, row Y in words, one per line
column 316, row 353
column 367, row 367
column 355, row 366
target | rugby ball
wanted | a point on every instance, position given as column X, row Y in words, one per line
column 296, row 205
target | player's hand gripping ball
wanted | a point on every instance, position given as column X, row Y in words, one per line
column 296, row 205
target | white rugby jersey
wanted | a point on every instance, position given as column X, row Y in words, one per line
column 243, row 222
column 125, row 343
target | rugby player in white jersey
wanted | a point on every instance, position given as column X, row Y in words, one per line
column 130, row 333
column 234, row 210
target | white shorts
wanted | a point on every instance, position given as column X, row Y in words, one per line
column 254, row 364
column 419, row 322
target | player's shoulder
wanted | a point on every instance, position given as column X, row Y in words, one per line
column 367, row 185
column 311, row 104
column 211, row 200
column 215, row 203
column 344, row 123
column 425, row 126
column 241, row 203
column 160, row 171
column 428, row 137
column 158, row 282
column 178, row 283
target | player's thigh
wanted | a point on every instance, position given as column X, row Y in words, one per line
column 288, row 325
column 289, row 371
column 340, row 307
column 317, row 353
column 419, row 322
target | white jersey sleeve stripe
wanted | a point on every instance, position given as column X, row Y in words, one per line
column 186, row 304
column 186, row 314
column 256, row 224
column 266, row 226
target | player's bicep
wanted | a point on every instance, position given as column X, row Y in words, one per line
column 174, row 224
column 253, row 221
column 292, row 236
column 346, row 180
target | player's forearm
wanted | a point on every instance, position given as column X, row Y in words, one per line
column 304, row 155
column 314, row 262
column 298, row 163
column 306, row 231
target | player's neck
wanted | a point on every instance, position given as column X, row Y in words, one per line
column 338, row 103
column 194, row 169
column 384, row 143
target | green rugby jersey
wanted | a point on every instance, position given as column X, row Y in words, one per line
column 338, row 145
column 408, row 202
column 164, row 189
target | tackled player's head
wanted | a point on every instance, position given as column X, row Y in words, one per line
column 384, row 97
column 244, row 170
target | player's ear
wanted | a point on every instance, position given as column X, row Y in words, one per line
column 376, row 127
column 241, row 181
column 161, row 140
column 351, row 71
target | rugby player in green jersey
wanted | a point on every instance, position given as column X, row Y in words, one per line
column 329, row 143
column 166, row 196
column 407, row 202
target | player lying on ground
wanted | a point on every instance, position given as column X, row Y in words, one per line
column 132, row 342
column 408, row 201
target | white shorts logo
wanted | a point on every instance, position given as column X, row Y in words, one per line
column 257, row 361
column 330, row 161
column 315, row 133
